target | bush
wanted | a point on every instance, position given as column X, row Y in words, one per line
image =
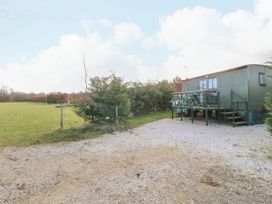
column 106, row 93
column 146, row 98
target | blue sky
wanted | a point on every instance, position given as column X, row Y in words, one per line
column 31, row 27
column 28, row 26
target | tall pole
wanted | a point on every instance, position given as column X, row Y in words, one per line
column 85, row 81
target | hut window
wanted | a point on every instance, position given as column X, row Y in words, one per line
column 204, row 84
column 262, row 79
column 214, row 83
column 208, row 83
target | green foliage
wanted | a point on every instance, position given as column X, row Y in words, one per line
column 78, row 133
column 107, row 93
column 36, row 123
column 137, row 98
column 28, row 123
column 56, row 98
column 143, row 119
column 95, row 130
column 149, row 97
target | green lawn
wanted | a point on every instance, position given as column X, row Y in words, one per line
column 141, row 120
column 24, row 124
column 28, row 123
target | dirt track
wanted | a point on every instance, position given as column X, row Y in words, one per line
column 162, row 162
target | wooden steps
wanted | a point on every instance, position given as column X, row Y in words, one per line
column 240, row 123
column 234, row 118
column 227, row 113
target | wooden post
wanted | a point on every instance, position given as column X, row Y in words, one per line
column 172, row 112
column 247, row 115
column 181, row 107
column 181, row 111
column 61, row 116
column 116, row 116
column 233, row 120
column 206, row 116
column 192, row 114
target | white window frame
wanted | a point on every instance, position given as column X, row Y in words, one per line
column 208, row 83
column 261, row 79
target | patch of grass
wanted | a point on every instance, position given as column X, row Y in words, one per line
column 79, row 133
column 141, row 120
column 96, row 130
column 24, row 124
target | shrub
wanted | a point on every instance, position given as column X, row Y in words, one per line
column 106, row 93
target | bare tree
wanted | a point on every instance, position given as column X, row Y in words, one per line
column 85, row 81
column 85, row 71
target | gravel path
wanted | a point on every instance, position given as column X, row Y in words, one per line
column 167, row 161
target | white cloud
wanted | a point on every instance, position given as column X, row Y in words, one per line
column 205, row 40
column 60, row 68
column 125, row 32
column 263, row 8
column 87, row 25
column 196, row 41
column 105, row 23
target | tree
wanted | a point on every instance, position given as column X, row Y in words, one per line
column 177, row 84
column 152, row 96
column 86, row 86
column 6, row 94
column 106, row 93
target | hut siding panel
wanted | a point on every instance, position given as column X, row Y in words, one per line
column 236, row 80
column 257, row 93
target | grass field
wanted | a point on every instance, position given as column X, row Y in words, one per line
column 24, row 124
column 141, row 120
column 27, row 123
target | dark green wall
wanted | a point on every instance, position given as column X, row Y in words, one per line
column 257, row 93
column 244, row 82
column 236, row 80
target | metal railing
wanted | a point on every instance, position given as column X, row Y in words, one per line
column 238, row 102
column 198, row 98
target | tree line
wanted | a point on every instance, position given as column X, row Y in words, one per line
column 110, row 97
column 9, row 95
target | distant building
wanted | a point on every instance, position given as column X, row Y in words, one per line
column 236, row 95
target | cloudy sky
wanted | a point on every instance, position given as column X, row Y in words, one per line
column 42, row 42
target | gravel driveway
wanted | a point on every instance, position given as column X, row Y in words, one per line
column 167, row 161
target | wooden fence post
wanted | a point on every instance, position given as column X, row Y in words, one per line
column 206, row 116
column 61, row 116
column 116, row 116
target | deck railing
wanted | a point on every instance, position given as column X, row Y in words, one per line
column 240, row 104
column 198, row 98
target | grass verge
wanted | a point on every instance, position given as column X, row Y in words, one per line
column 74, row 133
column 96, row 130
column 141, row 120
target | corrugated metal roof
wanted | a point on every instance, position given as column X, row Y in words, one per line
column 227, row 70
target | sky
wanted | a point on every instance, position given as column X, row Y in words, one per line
column 42, row 42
